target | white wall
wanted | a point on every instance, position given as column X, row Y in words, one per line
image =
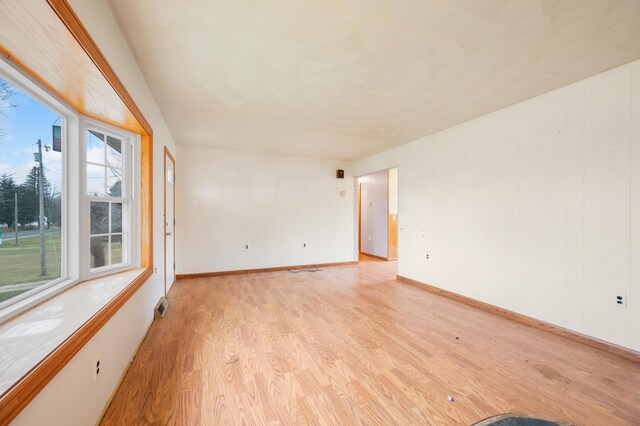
column 275, row 204
column 534, row 208
column 393, row 191
column 375, row 204
column 71, row 398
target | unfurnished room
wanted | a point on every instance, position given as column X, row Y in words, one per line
column 322, row 212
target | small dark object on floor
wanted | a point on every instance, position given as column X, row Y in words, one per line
column 312, row 269
column 457, row 338
column 518, row 420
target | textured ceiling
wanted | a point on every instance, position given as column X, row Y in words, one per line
column 345, row 79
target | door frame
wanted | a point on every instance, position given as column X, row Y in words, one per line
column 359, row 218
column 167, row 154
column 358, row 213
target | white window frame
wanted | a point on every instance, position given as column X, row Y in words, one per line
column 75, row 233
column 130, row 189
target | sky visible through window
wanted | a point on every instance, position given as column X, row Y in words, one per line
column 23, row 121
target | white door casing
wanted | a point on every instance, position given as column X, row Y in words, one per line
column 169, row 221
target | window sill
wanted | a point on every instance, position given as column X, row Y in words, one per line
column 38, row 343
column 47, row 291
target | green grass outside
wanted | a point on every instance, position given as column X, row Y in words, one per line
column 9, row 294
column 21, row 264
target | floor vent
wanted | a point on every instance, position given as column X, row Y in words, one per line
column 161, row 308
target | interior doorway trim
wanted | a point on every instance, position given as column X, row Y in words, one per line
column 168, row 156
column 392, row 223
column 359, row 217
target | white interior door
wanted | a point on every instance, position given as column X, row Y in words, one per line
column 169, row 221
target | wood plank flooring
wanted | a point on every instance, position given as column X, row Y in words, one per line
column 351, row 345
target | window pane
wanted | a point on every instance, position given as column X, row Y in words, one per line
column 114, row 152
column 114, row 184
column 117, row 249
column 95, row 147
column 24, row 122
column 99, row 218
column 116, row 217
column 99, row 251
column 96, row 180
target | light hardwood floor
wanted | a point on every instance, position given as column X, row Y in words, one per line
column 350, row 345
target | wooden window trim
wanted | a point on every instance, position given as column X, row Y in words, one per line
column 69, row 18
column 18, row 396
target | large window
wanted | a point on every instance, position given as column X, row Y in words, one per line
column 31, row 194
column 68, row 207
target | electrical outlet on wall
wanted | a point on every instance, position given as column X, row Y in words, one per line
column 246, row 246
column 96, row 369
column 621, row 300
column 427, row 258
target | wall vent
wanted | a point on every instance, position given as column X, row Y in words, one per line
column 161, row 308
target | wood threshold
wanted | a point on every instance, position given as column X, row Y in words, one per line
column 24, row 390
column 261, row 270
column 386, row 259
column 593, row 342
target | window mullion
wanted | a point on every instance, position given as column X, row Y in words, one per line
column 77, row 202
column 106, row 172
column 109, row 239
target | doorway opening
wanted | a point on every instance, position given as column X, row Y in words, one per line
column 378, row 215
